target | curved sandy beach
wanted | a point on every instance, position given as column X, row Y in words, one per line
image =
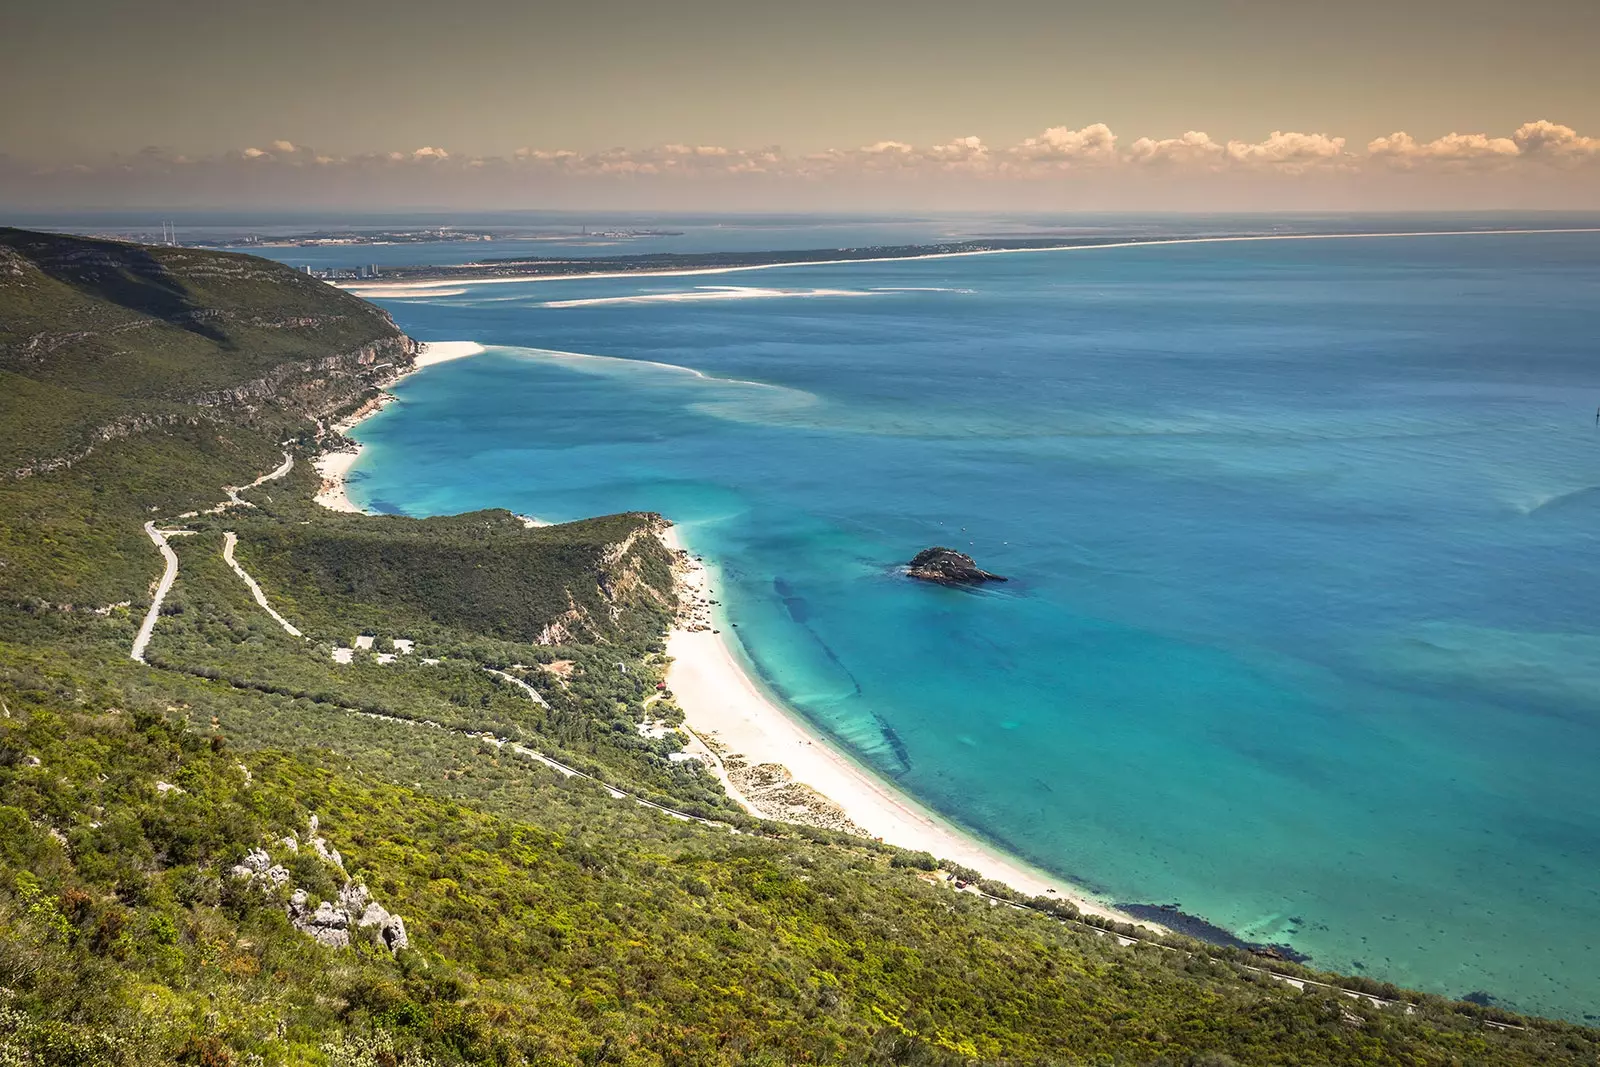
column 334, row 467
column 725, row 705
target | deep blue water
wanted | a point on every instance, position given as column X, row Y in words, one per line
column 1304, row 631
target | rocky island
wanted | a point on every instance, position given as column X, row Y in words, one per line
column 946, row 565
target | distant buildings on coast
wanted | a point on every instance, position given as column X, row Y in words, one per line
column 339, row 274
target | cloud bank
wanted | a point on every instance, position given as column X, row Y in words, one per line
column 1539, row 159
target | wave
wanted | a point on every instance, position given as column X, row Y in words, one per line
column 615, row 365
column 1546, row 500
column 708, row 292
column 407, row 292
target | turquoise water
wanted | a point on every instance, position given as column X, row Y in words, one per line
column 1304, row 626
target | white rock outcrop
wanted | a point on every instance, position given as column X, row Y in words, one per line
column 329, row 923
column 258, row 867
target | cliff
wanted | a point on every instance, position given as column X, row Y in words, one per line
column 100, row 340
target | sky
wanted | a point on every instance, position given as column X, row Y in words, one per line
column 694, row 104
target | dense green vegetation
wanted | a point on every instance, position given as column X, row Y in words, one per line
column 101, row 338
column 551, row 921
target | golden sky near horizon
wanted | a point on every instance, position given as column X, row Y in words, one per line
column 938, row 87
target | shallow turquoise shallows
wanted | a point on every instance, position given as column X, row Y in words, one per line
column 1304, row 626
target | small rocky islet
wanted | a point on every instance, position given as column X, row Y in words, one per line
column 948, row 567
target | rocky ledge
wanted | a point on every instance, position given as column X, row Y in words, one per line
column 329, row 923
column 946, row 565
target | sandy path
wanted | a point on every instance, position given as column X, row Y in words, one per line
column 229, row 541
column 170, row 575
column 524, row 686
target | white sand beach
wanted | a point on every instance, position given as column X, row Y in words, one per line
column 728, row 709
column 724, row 705
column 335, row 466
column 443, row 352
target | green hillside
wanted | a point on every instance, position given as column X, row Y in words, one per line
column 442, row 723
column 98, row 338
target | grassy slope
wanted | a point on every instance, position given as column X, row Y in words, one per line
column 129, row 321
column 551, row 922
column 554, row 925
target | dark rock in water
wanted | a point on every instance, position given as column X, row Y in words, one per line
column 946, row 565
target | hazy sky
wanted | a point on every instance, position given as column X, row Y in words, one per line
column 111, row 102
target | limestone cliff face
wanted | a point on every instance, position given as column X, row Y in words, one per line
column 127, row 426
column 318, row 387
column 101, row 340
column 114, row 339
column 631, row 573
column 313, row 389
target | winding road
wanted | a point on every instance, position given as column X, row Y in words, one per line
column 229, row 541
column 148, row 627
column 170, row 575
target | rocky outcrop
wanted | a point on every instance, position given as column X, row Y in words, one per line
column 320, row 386
column 331, row 923
column 328, row 922
column 258, row 868
column 126, row 426
column 947, row 566
column 313, row 388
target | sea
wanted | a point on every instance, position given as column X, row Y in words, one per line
column 1302, row 631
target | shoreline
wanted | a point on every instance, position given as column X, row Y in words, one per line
column 334, row 466
column 398, row 287
column 740, row 729
column 727, row 710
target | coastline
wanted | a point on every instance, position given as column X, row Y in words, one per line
column 735, row 725
column 434, row 286
column 334, row 466
column 726, row 710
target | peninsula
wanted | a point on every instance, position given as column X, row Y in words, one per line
column 687, row 262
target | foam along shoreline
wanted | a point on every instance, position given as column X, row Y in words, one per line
column 725, row 707
column 396, row 289
column 334, row 467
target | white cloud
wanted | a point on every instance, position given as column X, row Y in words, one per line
column 1537, row 156
column 1549, row 140
column 1192, row 147
column 1290, row 152
column 963, row 153
column 1063, row 146
column 1402, row 150
column 1533, row 142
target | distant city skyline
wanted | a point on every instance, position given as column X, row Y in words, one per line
column 1145, row 104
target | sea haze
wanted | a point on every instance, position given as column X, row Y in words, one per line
column 1304, row 627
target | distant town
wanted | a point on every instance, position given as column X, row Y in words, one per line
column 352, row 237
column 342, row 274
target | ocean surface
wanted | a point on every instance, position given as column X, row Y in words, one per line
column 1303, row 631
